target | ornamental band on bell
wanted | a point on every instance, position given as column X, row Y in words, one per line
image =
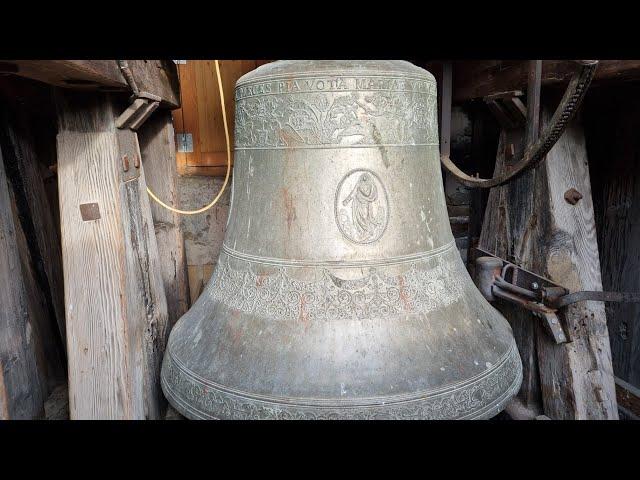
column 356, row 111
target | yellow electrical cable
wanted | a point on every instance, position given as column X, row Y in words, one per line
column 226, row 178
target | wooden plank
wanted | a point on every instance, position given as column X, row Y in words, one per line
column 26, row 114
column 34, row 210
column 57, row 405
column 479, row 78
column 116, row 308
column 504, row 120
column 532, row 111
column 445, row 109
column 158, row 77
column 201, row 113
column 529, row 223
column 207, row 271
column 48, row 347
column 22, row 389
column 157, row 144
column 628, row 397
column 199, row 276
column 196, row 284
column 612, row 119
column 484, row 140
column 577, row 377
column 505, row 232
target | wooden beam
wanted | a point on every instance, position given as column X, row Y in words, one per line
column 529, row 223
column 613, row 120
column 116, row 309
column 159, row 77
column 506, row 221
column 628, row 398
column 577, row 377
column 157, row 144
column 22, row 389
column 533, row 101
column 479, row 78
column 34, row 211
column 445, row 110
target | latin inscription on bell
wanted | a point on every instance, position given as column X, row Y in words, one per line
column 362, row 206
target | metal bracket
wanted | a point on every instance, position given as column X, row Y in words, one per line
column 130, row 167
column 184, row 142
column 130, row 159
column 497, row 278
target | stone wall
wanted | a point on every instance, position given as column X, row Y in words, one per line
column 203, row 232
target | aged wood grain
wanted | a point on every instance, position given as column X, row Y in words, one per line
column 115, row 304
column 158, row 77
column 628, row 398
column 509, row 217
column 479, row 78
column 577, row 377
column 48, row 347
column 34, row 210
column 201, row 113
column 558, row 241
column 612, row 124
column 157, row 145
column 22, row 389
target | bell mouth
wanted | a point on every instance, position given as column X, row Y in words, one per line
column 477, row 398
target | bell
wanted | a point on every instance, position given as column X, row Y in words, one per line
column 339, row 292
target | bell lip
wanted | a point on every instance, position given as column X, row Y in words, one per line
column 249, row 406
column 290, row 69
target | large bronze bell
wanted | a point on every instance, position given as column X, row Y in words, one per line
column 339, row 292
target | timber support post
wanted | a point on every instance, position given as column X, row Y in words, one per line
column 157, row 144
column 116, row 310
column 529, row 223
column 22, row 388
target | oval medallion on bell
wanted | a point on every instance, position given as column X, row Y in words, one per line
column 339, row 292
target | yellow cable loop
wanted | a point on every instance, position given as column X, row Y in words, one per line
column 226, row 178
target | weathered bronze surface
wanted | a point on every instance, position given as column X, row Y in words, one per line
column 339, row 292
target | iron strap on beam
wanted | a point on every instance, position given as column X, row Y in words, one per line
column 594, row 295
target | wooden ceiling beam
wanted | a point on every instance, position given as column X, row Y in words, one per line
column 479, row 78
column 159, row 77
